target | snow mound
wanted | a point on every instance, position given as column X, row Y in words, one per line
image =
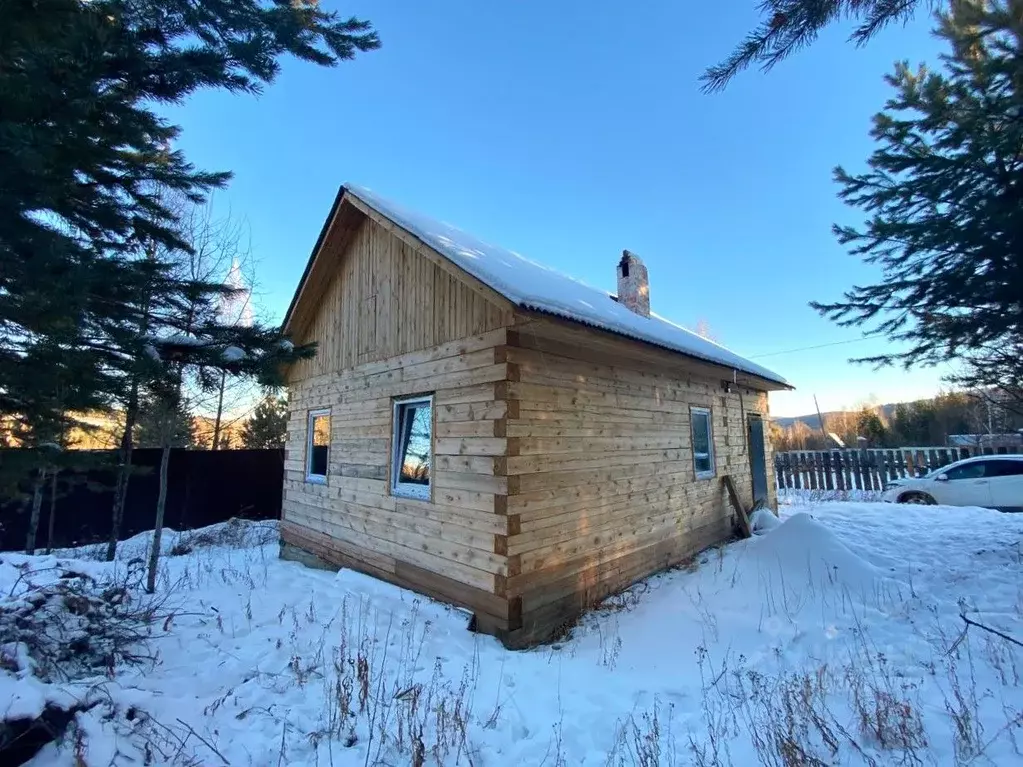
column 802, row 550
column 763, row 521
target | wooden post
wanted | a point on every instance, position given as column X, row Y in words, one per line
column 740, row 512
column 847, row 468
column 811, row 465
column 877, row 466
column 829, row 480
column 836, row 460
column 893, row 472
column 873, row 476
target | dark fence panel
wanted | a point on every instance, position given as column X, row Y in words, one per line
column 204, row 487
column 866, row 469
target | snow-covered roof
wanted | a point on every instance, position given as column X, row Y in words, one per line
column 534, row 286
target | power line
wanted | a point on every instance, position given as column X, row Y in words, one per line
column 818, row 346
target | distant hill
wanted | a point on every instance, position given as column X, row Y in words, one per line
column 813, row 421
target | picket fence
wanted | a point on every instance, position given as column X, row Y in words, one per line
column 867, row 469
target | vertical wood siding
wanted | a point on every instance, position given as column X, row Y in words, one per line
column 385, row 299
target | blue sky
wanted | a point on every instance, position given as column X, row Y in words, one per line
column 568, row 131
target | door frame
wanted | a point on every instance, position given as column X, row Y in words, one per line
column 763, row 452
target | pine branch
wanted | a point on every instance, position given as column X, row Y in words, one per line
column 788, row 26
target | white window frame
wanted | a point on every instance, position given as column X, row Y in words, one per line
column 406, row 489
column 310, row 435
column 712, row 472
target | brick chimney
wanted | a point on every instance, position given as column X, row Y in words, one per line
column 633, row 284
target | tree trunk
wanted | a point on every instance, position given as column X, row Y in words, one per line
column 124, row 457
column 161, row 507
column 53, row 512
column 220, row 411
column 37, row 506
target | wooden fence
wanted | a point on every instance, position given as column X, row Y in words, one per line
column 865, row 469
column 204, row 487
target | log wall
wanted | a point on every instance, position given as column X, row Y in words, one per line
column 391, row 322
column 562, row 468
column 602, row 489
column 451, row 546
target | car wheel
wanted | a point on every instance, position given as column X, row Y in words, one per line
column 920, row 499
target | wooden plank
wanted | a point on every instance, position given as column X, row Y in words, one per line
column 472, row 464
column 470, row 566
column 470, row 411
column 537, row 331
column 467, row 429
column 543, row 503
column 740, row 512
column 826, row 469
column 481, row 483
column 547, row 446
column 403, row 574
column 474, row 446
column 570, row 462
column 426, row 251
column 590, row 578
column 349, row 299
column 836, row 468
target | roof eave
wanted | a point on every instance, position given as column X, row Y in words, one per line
column 763, row 383
column 286, row 325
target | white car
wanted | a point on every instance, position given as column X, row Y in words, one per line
column 995, row 481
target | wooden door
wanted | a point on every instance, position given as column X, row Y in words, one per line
column 757, row 457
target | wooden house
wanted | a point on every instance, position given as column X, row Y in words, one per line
column 491, row 433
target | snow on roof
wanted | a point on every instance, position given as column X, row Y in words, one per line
column 534, row 286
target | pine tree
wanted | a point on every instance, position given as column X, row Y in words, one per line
column 87, row 165
column 86, row 159
column 154, row 418
column 944, row 198
column 268, row 426
column 790, row 25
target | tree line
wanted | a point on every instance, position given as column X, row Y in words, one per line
column 923, row 423
column 941, row 198
column 104, row 304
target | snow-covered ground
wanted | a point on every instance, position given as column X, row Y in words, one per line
column 834, row 636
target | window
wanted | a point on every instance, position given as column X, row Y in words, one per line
column 412, row 447
column 703, row 442
column 317, row 446
column 1005, row 468
column 975, row 470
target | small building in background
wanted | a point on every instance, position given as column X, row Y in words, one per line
column 1010, row 441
